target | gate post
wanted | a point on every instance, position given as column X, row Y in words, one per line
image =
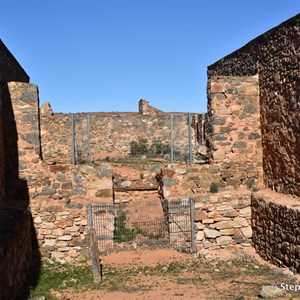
column 192, row 219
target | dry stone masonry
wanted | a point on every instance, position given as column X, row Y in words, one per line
column 251, row 137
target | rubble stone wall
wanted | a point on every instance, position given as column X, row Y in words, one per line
column 25, row 120
column 223, row 218
column 110, row 134
column 274, row 56
column 15, row 251
column 234, row 134
column 61, row 228
column 276, row 227
column 280, row 107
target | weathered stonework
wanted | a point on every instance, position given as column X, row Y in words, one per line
column 110, row 134
column 222, row 219
column 276, row 226
column 234, row 133
column 16, row 251
column 274, row 57
column 61, row 229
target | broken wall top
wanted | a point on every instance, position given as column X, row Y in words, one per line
column 244, row 61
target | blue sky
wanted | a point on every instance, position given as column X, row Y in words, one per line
column 88, row 56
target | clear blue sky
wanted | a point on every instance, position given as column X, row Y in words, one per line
column 90, row 56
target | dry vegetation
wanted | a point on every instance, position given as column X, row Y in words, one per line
column 165, row 274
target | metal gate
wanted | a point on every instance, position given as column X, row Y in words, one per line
column 143, row 223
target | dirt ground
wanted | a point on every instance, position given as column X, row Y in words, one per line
column 235, row 273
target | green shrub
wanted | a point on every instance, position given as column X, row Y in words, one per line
column 122, row 233
column 141, row 147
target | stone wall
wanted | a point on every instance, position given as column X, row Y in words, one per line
column 276, row 226
column 181, row 180
column 15, row 251
column 223, row 218
column 18, row 242
column 25, row 119
column 274, row 56
column 280, row 107
column 110, row 134
column 62, row 232
column 234, row 134
column 73, row 185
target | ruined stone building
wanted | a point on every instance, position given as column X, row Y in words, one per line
column 253, row 138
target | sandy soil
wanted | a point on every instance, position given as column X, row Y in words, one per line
column 160, row 287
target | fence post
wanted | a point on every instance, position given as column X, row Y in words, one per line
column 90, row 215
column 172, row 139
column 89, row 137
column 73, row 138
column 192, row 220
column 190, row 138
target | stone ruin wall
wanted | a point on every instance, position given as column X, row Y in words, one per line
column 279, row 74
column 274, row 56
column 110, row 134
column 16, row 243
column 276, row 227
column 234, row 139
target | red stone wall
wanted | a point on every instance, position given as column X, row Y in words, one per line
column 24, row 100
column 234, row 129
column 274, row 56
column 279, row 75
column 110, row 134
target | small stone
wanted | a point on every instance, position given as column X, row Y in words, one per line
column 49, row 242
column 211, row 233
column 47, row 225
column 208, row 221
column 208, row 244
column 200, row 226
column 224, row 225
column 271, row 291
column 200, row 235
column 65, row 238
column 245, row 212
column 224, row 240
column 180, row 171
column 200, row 215
column 247, row 232
column 240, row 222
column 72, row 229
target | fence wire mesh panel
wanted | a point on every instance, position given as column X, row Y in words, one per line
column 102, row 220
column 174, row 137
column 180, row 217
column 133, row 224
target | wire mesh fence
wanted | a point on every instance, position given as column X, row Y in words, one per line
column 143, row 223
column 171, row 137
